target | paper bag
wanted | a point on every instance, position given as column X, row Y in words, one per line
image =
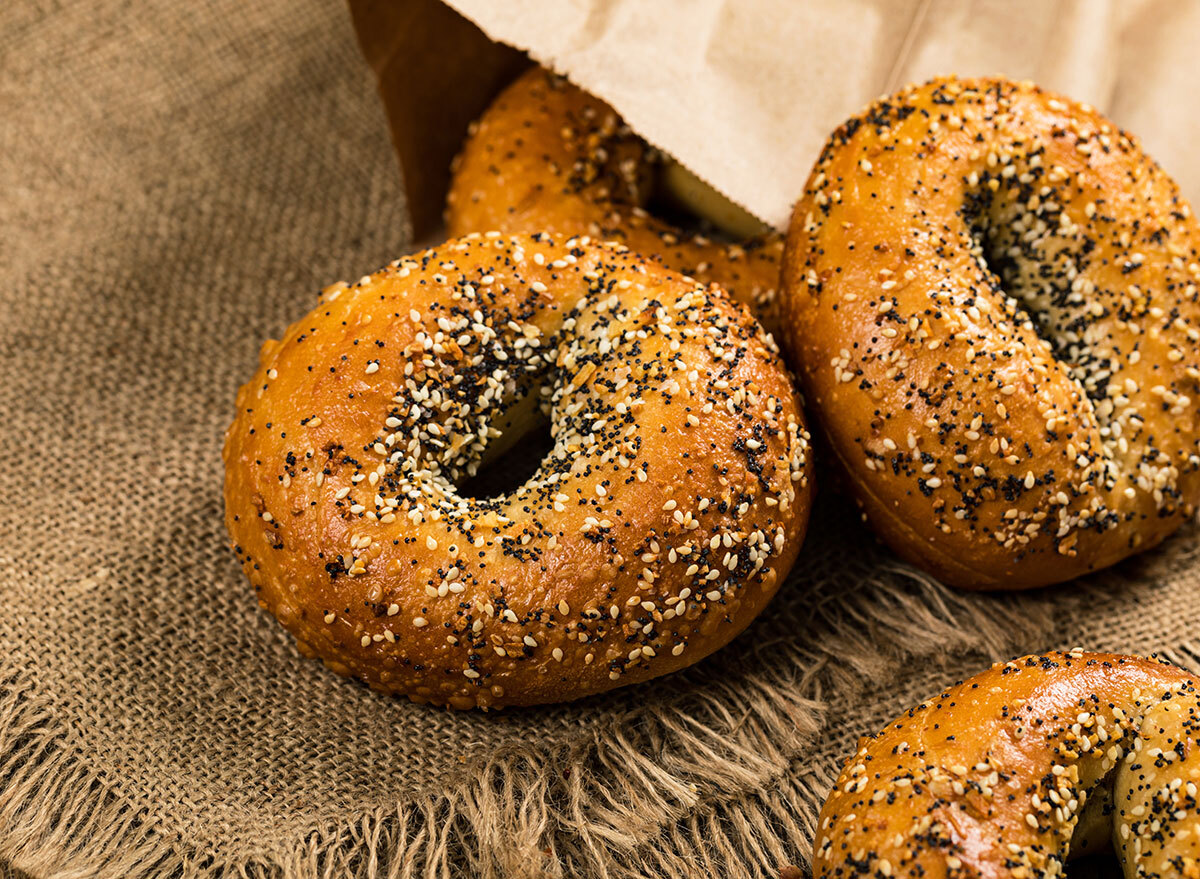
column 744, row 92
column 437, row 72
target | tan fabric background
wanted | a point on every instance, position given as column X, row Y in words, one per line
column 176, row 182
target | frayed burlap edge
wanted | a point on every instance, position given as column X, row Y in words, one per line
column 695, row 786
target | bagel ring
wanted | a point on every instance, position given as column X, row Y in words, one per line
column 662, row 521
column 547, row 156
column 1017, row 769
column 990, row 293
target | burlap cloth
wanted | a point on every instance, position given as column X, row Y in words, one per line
column 176, row 182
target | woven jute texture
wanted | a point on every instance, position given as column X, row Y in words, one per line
column 176, row 182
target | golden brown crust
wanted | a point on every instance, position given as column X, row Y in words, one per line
column 663, row 520
column 1000, row 442
column 1156, row 825
column 989, row 779
column 549, row 157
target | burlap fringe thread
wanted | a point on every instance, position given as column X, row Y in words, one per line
column 581, row 812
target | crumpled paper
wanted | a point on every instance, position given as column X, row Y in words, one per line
column 745, row 92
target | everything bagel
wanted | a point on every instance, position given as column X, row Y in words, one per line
column 662, row 521
column 994, row 776
column 990, row 293
column 549, row 157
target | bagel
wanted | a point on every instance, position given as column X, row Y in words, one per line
column 664, row 518
column 547, row 156
column 1155, row 794
column 992, row 776
column 990, row 293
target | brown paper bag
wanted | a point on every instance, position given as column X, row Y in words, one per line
column 437, row 72
column 744, row 92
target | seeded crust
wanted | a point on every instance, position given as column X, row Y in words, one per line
column 671, row 506
column 549, row 157
column 989, row 779
column 990, row 293
column 1157, row 819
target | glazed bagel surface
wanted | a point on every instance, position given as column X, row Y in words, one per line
column 990, row 293
column 1156, row 819
column 671, row 505
column 549, row 157
column 1013, row 771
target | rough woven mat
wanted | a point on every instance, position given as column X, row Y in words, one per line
column 178, row 180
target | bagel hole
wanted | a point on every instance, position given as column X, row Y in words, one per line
column 505, row 472
column 680, row 199
column 1036, row 273
column 668, row 208
column 1098, row 866
column 1032, row 271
